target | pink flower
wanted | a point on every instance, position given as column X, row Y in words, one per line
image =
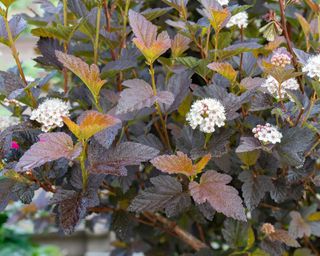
column 15, row 145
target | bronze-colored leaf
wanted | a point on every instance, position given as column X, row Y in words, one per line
column 90, row 75
column 146, row 40
column 90, row 124
column 180, row 163
column 225, row 69
column 179, row 45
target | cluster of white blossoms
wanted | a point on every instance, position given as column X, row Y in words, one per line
column 6, row 102
column 267, row 134
column 50, row 114
column 206, row 114
column 281, row 57
column 240, row 20
column 223, row 2
column 7, row 121
column 312, row 68
column 274, row 88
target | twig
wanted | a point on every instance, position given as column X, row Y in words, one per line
column 108, row 24
column 163, row 122
column 287, row 37
column 65, row 45
column 167, row 225
column 183, row 235
column 241, row 55
column 299, row 116
column 310, row 245
column 96, row 41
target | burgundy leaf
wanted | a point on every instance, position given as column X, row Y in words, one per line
column 138, row 95
column 113, row 161
column 50, row 147
column 71, row 210
column 213, row 189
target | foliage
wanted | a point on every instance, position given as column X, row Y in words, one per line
column 130, row 71
column 16, row 244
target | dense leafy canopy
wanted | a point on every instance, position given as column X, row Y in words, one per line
column 128, row 71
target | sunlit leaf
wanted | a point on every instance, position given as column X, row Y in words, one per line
column 179, row 45
column 147, row 41
column 225, row 69
column 180, row 163
column 217, row 15
column 7, row 3
column 90, row 123
column 90, row 75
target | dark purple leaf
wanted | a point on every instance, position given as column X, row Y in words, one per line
column 166, row 193
column 114, row 160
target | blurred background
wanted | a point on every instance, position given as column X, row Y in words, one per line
column 24, row 231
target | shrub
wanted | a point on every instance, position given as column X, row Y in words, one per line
column 192, row 126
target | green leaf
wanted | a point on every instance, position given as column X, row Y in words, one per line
column 251, row 238
column 189, row 62
column 237, row 49
column 56, row 31
column 240, row 8
column 225, row 69
column 151, row 14
column 249, row 158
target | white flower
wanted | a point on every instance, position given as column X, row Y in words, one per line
column 6, row 102
column 312, row 68
column 281, row 57
column 223, row 2
column 267, row 134
column 7, row 121
column 206, row 114
column 50, row 114
column 240, row 20
column 272, row 85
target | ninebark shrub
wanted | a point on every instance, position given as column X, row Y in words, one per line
column 191, row 127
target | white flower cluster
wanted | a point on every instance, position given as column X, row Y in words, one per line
column 223, row 2
column 273, row 87
column 6, row 102
column 206, row 114
column 7, row 121
column 240, row 20
column 312, row 68
column 267, row 134
column 50, row 114
column 281, row 57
